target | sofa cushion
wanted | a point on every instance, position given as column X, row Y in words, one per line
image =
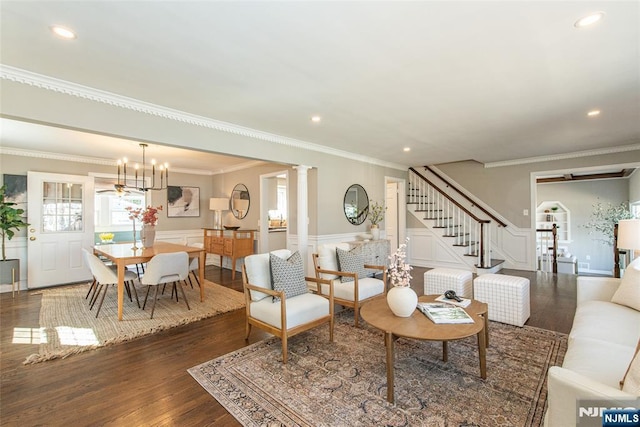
column 301, row 309
column 328, row 260
column 607, row 322
column 628, row 292
column 288, row 275
column 259, row 272
column 598, row 360
column 367, row 288
column 351, row 262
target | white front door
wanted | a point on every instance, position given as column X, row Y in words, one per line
column 60, row 214
column 391, row 219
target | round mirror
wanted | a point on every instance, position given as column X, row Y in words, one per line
column 240, row 201
column 356, row 204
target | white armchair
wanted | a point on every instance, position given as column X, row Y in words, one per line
column 352, row 286
column 275, row 312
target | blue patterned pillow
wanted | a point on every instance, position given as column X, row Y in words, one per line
column 351, row 262
column 288, row 275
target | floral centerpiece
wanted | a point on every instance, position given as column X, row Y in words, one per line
column 399, row 270
column 401, row 298
column 149, row 219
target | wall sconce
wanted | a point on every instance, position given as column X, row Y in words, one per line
column 218, row 204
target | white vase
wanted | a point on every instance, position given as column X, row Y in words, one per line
column 402, row 300
column 375, row 232
column 148, row 235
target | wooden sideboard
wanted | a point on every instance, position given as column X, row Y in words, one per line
column 230, row 243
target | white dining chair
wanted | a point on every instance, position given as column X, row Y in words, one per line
column 163, row 269
column 103, row 277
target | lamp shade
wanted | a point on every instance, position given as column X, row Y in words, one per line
column 219, row 204
column 629, row 234
column 240, row 204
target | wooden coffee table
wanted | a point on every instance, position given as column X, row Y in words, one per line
column 418, row 326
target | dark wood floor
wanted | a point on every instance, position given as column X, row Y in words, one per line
column 145, row 381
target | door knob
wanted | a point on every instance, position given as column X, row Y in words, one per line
column 32, row 230
column 32, row 238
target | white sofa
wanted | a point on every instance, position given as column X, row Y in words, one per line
column 601, row 347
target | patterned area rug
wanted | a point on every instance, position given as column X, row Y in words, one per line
column 344, row 383
column 68, row 327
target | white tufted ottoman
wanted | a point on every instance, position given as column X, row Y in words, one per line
column 507, row 297
column 440, row 280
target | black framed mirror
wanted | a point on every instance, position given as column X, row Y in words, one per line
column 240, row 201
column 356, row 204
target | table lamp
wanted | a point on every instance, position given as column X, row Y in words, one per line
column 218, row 204
column 629, row 234
column 241, row 205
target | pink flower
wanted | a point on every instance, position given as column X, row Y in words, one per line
column 400, row 271
column 148, row 216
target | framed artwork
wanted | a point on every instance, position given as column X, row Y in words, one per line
column 183, row 201
column 16, row 190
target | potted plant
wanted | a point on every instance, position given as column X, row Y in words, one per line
column 376, row 215
column 10, row 222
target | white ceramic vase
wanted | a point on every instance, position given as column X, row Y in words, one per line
column 148, row 235
column 402, row 300
column 375, row 232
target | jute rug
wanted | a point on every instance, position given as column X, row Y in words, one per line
column 344, row 383
column 68, row 327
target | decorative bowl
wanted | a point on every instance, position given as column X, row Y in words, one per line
column 366, row 236
column 231, row 227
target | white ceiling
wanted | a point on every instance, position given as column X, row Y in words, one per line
column 483, row 80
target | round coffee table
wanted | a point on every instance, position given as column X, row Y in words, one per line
column 418, row 326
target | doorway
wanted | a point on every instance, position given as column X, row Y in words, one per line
column 396, row 214
column 274, row 211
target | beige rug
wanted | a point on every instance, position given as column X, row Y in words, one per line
column 344, row 383
column 68, row 327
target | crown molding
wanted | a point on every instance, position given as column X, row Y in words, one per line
column 574, row 155
column 10, row 151
column 41, row 81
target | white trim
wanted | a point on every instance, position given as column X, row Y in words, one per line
column 40, row 81
column 586, row 153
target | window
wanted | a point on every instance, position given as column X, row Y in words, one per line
column 110, row 212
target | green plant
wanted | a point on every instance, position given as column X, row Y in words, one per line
column 376, row 213
column 10, row 219
column 604, row 219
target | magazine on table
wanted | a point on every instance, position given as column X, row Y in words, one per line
column 464, row 303
column 444, row 313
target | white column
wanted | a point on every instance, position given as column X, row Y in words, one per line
column 303, row 212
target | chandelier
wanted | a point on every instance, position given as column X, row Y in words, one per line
column 124, row 182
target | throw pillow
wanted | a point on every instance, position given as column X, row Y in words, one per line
column 351, row 262
column 631, row 380
column 628, row 292
column 288, row 275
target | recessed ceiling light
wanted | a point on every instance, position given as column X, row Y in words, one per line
column 590, row 19
column 405, row 149
column 316, row 119
column 593, row 113
column 63, row 32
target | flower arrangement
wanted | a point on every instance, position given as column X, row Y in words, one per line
column 376, row 213
column 399, row 270
column 147, row 216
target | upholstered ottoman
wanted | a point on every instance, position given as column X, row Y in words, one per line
column 439, row 280
column 507, row 297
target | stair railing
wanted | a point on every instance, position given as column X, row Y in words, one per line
column 547, row 253
column 458, row 222
column 469, row 199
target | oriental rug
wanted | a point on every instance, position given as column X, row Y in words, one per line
column 67, row 326
column 344, row 383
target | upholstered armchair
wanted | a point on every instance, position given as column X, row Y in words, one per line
column 284, row 306
column 352, row 284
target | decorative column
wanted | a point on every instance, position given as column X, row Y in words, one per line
column 303, row 212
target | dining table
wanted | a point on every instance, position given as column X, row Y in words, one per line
column 123, row 254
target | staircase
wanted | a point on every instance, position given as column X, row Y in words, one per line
column 455, row 221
